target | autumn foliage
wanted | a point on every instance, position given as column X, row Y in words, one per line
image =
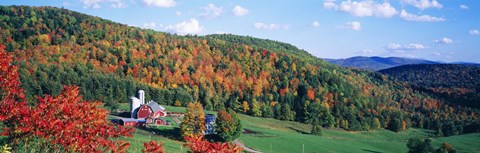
column 64, row 120
column 193, row 123
column 152, row 147
column 199, row 145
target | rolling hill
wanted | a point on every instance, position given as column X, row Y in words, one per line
column 377, row 63
column 262, row 78
column 459, row 84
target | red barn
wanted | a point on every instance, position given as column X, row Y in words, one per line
column 144, row 111
column 152, row 109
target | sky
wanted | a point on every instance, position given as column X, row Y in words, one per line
column 439, row 30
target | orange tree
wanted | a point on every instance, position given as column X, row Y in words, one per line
column 65, row 120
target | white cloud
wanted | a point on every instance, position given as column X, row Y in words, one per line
column 118, row 4
column 399, row 47
column 95, row 4
column 423, row 4
column 362, row 8
column 420, row 18
column 315, row 24
column 354, row 25
column 191, row 26
column 239, row 11
column 444, row 40
column 464, row 7
column 151, row 25
column 329, row 4
column 271, row 26
column 160, row 3
column 474, row 32
column 178, row 13
column 91, row 4
column 367, row 8
column 211, row 11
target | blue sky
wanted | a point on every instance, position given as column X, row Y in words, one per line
column 443, row 30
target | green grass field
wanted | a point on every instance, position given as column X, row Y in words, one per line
column 271, row 135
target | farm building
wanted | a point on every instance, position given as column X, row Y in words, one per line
column 132, row 122
column 157, row 121
column 142, row 112
column 140, row 109
column 152, row 109
column 209, row 124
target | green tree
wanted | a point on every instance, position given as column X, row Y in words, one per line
column 228, row 126
column 266, row 110
column 316, row 129
column 396, row 122
column 286, row 113
column 417, row 145
column 255, row 111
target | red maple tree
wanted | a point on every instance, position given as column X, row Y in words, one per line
column 152, row 147
column 199, row 145
column 65, row 120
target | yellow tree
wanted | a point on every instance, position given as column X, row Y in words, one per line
column 193, row 123
column 245, row 107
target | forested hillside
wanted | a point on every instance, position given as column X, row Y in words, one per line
column 458, row 84
column 110, row 61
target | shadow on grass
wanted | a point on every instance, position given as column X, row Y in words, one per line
column 170, row 133
column 368, row 150
column 299, row 131
column 248, row 131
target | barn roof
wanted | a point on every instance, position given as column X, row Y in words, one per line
column 155, row 106
column 132, row 120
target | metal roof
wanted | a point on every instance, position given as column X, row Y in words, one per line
column 155, row 106
column 132, row 120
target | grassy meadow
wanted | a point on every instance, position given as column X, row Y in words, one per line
column 271, row 135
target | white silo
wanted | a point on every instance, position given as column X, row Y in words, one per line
column 134, row 105
column 141, row 96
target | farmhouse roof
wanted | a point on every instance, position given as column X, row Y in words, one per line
column 132, row 120
column 155, row 106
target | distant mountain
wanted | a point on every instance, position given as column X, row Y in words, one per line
column 457, row 83
column 377, row 63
